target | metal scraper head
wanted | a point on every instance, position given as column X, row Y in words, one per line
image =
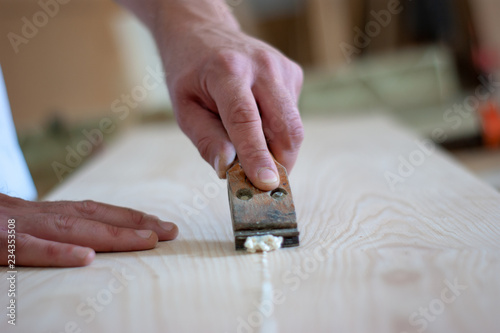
column 257, row 213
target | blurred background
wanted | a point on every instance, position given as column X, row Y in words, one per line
column 433, row 65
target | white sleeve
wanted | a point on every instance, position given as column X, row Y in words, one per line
column 15, row 178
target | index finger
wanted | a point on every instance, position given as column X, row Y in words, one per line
column 241, row 118
column 109, row 214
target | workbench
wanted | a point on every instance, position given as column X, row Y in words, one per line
column 395, row 237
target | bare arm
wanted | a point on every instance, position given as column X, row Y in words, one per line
column 232, row 94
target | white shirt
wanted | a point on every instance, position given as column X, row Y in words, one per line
column 15, row 178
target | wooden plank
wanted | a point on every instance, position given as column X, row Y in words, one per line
column 422, row 256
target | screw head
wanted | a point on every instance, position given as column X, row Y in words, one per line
column 278, row 193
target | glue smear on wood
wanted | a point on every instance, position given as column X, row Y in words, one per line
column 266, row 306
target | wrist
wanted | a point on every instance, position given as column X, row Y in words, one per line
column 174, row 18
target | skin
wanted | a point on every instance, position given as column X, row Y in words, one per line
column 232, row 95
column 67, row 234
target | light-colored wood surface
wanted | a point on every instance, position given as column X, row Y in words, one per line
column 371, row 259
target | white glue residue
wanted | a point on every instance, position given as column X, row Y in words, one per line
column 266, row 307
column 263, row 243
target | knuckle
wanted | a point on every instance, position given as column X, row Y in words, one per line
column 247, row 148
column 242, row 113
column 297, row 134
column 230, row 61
column 266, row 60
column 87, row 207
column 295, row 125
column 113, row 230
column 63, row 223
column 294, row 135
column 259, row 155
column 23, row 241
column 138, row 218
column 204, row 145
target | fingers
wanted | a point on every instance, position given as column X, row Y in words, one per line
column 252, row 109
column 240, row 116
column 280, row 120
column 99, row 236
column 68, row 233
column 110, row 215
column 32, row 251
column 207, row 133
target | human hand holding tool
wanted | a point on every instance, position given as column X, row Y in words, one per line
column 232, row 94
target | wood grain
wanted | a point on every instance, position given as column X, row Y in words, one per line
column 420, row 256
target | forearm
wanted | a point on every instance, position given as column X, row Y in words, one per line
column 162, row 16
column 171, row 22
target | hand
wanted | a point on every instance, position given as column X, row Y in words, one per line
column 233, row 94
column 66, row 233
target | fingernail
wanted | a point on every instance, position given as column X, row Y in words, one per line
column 144, row 233
column 216, row 164
column 221, row 165
column 267, row 176
column 82, row 252
column 167, row 226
